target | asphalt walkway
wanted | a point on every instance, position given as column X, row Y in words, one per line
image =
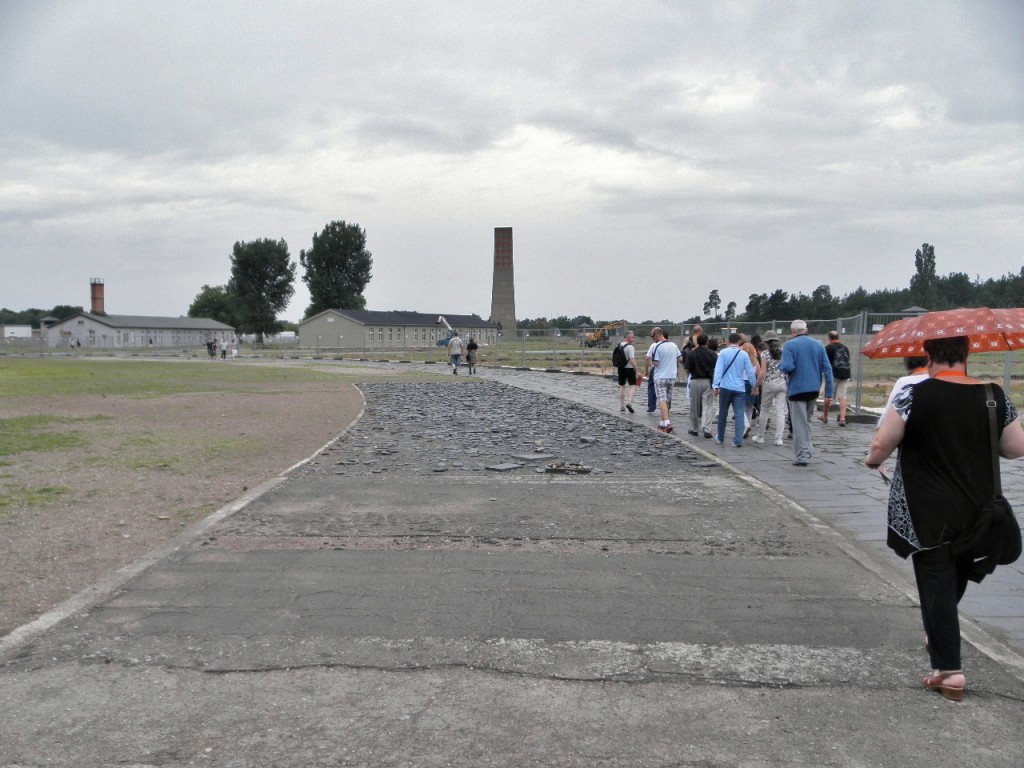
column 836, row 488
column 434, row 588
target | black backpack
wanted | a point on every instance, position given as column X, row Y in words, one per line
column 841, row 363
column 619, row 358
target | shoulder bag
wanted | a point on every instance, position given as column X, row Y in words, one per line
column 995, row 537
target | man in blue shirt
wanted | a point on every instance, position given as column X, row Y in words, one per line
column 804, row 362
column 732, row 369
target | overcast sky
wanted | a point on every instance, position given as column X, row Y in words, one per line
column 644, row 153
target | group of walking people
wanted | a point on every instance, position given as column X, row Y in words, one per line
column 946, row 428
column 762, row 382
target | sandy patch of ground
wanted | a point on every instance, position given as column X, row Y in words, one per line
column 146, row 469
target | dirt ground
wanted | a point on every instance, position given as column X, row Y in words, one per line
column 146, row 470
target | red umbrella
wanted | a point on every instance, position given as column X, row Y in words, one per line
column 990, row 330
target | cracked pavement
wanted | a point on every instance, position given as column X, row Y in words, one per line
column 423, row 593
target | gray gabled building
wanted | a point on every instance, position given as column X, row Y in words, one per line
column 358, row 329
column 88, row 330
column 98, row 330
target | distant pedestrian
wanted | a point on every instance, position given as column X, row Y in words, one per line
column 773, row 393
column 750, row 346
column 652, row 396
column 455, row 352
column 805, row 364
column 627, row 372
column 471, row 348
column 223, row 350
column 917, row 370
column 664, row 359
column 732, row 371
column 839, row 358
column 700, row 365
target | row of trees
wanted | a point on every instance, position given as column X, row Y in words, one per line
column 34, row 316
column 927, row 289
column 337, row 268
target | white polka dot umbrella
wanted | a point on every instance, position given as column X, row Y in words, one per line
column 990, row 330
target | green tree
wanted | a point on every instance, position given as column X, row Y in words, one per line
column 730, row 311
column 755, row 307
column 822, row 303
column 262, row 282
column 713, row 304
column 955, row 290
column 924, row 283
column 776, row 306
column 215, row 303
column 337, row 268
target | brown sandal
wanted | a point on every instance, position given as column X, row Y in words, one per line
column 950, row 684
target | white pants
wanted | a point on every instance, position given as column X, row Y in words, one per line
column 773, row 393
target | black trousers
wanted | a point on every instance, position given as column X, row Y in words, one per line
column 941, row 582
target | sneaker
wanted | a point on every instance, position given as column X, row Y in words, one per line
column 779, row 441
column 622, row 409
column 707, row 433
column 630, row 408
column 692, row 432
column 666, row 430
column 756, row 439
column 799, row 463
column 746, row 430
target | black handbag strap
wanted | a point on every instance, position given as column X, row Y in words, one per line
column 990, row 403
column 738, row 352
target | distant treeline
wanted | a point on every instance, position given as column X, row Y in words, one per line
column 33, row 316
column 929, row 291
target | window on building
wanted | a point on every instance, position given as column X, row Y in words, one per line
column 380, row 334
column 399, row 336
column 369, row 335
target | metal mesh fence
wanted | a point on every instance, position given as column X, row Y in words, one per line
column 590, row 348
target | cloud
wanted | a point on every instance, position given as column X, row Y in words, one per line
column 141, row 140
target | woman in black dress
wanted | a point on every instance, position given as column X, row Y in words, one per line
column 943, row 478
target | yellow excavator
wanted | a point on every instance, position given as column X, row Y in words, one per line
column 599, row 338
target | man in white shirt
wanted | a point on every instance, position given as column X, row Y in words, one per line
column 663, row 357
column 455, row 352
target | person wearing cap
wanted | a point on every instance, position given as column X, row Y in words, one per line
column 805, row 363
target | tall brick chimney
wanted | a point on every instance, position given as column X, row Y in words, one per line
column 503, row 290
column 96, row 284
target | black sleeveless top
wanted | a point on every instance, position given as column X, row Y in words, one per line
column 944, row 467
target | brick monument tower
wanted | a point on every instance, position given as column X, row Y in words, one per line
column 503, row 289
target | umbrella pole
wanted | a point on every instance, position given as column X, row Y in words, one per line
column 1006, row 373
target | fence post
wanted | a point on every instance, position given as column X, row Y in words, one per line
column 862, row 323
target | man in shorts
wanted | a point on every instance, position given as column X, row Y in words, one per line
column 839, row 358
column 663, row 357
column 455, row 352
column 627, row 373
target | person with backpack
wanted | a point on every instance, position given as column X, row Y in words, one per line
column 624, row 360
column 839, row 358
